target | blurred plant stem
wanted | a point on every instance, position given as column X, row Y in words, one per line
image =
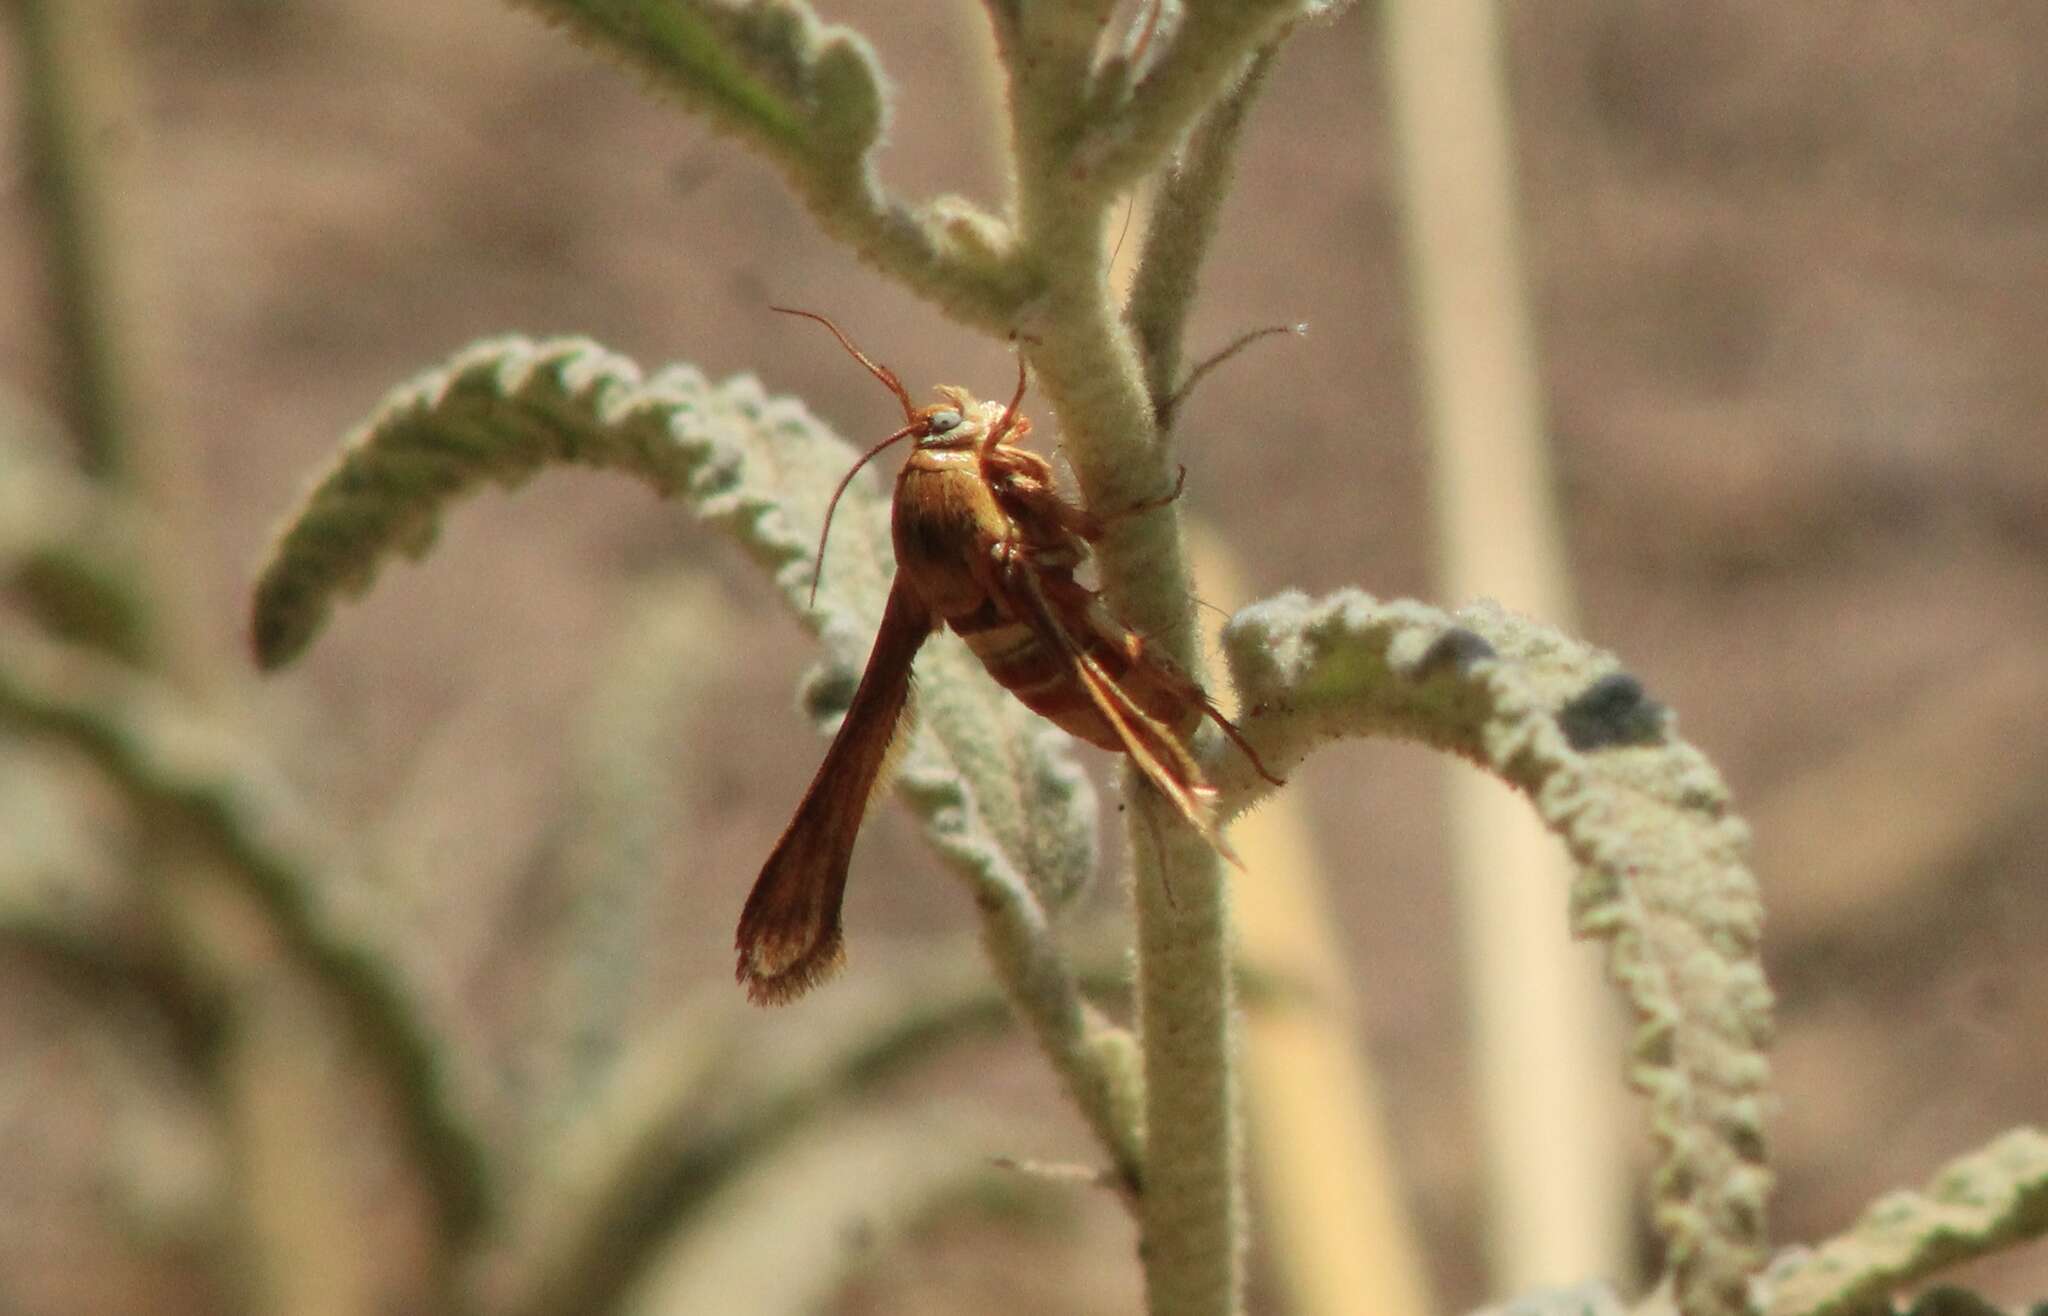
column 657, row 1154
column 255, row 920
column 79, row 123
column 67, row 49
column 302, row 1241
column 1339, row 1231
column 1544, row 1037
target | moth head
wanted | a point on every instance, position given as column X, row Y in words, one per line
column 955, row 423
column 961, row 422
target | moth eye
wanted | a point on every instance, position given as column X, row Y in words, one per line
column 941, row 421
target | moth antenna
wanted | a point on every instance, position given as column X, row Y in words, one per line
column 1009, row 420
column 1171, row 405
column 1130, row 208
column 1237, row 738
column 818, row 566
column 881, row 372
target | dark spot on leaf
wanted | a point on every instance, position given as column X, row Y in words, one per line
column 1455, row 650
column 828, row 692
column 1612, row 711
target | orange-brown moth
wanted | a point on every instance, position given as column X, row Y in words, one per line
column 986, row 545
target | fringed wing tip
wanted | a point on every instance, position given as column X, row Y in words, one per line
column 1220, row 843
column 776, row 973
column 1197, row 805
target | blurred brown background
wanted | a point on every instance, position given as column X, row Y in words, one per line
column 1790, row 265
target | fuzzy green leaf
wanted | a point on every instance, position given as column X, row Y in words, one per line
column 811, row 97
column 41, row 500
column 995, row 784
column 1977, row 1204
column 1127, row 139
column 136, row 980
column 1663, row 875
column 766, row 69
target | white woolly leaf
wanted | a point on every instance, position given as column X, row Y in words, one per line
column 1663, row 875
column 1980, row 1203
column 766, row 69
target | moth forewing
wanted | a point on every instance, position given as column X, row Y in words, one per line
column 1159, row 750
column 789, row 936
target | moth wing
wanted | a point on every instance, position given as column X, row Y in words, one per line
column 789, row 938
column 1160, row 753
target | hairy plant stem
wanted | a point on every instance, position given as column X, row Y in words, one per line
column 1191, row 1214
column 1191, row 1208
column 1094, row 1058
column 1182, row 227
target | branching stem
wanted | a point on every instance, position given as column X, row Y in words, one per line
column 1183, row 223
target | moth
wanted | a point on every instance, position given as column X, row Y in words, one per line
column 986, row 545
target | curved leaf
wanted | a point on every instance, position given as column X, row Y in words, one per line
column 768, row 70
column 812, row 98
column 1124, row 140
column 995, row 785
column 1977, row 1204
column 1663, row 877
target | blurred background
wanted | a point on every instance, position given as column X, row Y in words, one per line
column 1789, row 275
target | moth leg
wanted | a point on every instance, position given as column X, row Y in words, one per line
column 1029, row 499
column 1012, row 427
column 1237, row 738
column 1159, row 849
column 1011, row 558
column 1158, row 750
column 1092, row 526
column 1180, row 484
column 1186, row 689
